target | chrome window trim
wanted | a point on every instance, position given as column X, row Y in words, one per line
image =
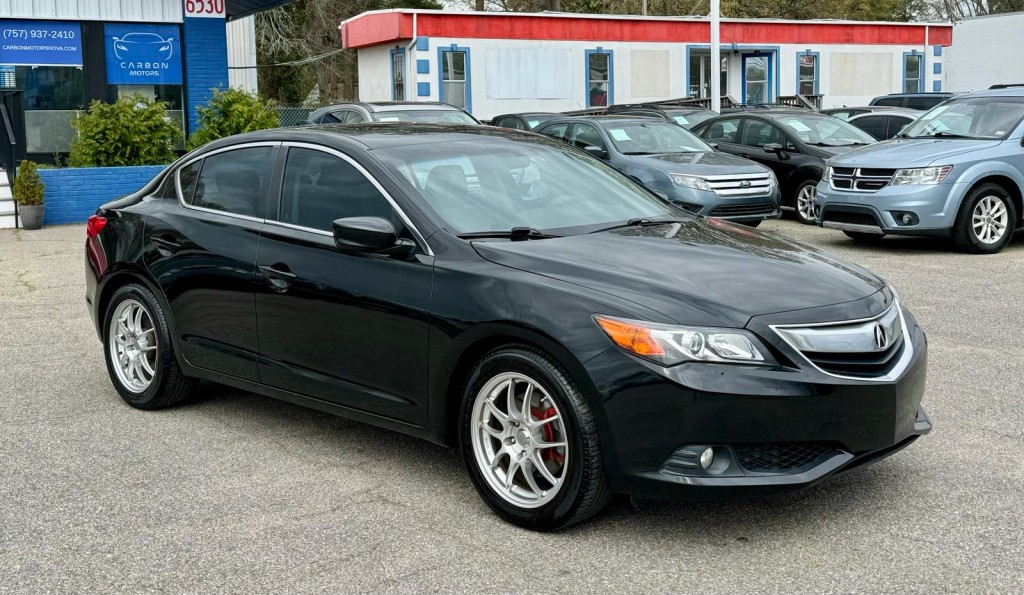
column 177, row 179
column 901, row 365
column 387, row 196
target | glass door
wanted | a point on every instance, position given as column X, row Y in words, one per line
column 700, row 71
column 757, row 76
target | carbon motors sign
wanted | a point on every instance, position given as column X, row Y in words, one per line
column 143, row 54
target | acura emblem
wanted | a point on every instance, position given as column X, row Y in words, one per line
column 881, row 339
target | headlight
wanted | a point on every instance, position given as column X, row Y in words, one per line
column 670, row 345
column 772, row 180
column 120, row 47
column 695, row 182
column 827, row 176
column 921, row 175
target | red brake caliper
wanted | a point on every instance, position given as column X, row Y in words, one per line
column 549, row 454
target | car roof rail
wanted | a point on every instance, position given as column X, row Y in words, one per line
column 1007, row 86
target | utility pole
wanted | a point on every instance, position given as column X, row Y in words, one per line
column 716, row 58
column 479, row 5
column 643, row 10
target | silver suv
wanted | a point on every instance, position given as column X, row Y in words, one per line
column 957, row 171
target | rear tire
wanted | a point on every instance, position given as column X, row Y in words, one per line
column 803, row 202
column 986, row 220
column 139, row 353
column 869, row 239
column 498, row 440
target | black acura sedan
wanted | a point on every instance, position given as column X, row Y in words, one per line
column 574, row 334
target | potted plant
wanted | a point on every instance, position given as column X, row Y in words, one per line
column 28, row 193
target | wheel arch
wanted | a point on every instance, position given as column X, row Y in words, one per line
column 125, row 274
column 1011, row 186
column 804, row 173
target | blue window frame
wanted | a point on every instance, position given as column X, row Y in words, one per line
column 599, row 70
column 808, row 64
column 913, row 72
column 454, row 76
column 398, row 74
column 758, row 86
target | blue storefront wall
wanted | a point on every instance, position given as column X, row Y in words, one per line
column 206, row 63
column 73, row 194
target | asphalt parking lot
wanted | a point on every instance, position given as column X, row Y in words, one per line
column 234, row 492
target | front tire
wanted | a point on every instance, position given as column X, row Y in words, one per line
column 139, row 354
column 530, row 441
column 803, row 202
column 986, row 220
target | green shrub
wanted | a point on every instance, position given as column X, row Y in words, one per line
column 134, row 130
column 232, row 112
column 28, row 188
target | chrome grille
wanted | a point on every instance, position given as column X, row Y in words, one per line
column 735, row 185
column 861, row 179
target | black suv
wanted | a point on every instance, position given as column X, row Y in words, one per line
column 675, row 164
column 391, row 111
column 687, row 117
column 793, row 143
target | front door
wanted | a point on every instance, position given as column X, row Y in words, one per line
column 337, row 325
column 757, row 78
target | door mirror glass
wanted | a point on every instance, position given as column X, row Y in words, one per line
column 598, row 152
column 364, row 234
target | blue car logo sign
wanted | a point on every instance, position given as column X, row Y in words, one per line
column 144, row 48
column 143, row 54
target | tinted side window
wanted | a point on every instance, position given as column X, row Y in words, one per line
column 187, row 178
column 924, row 103
column 511, row 123
column 873, row 125
column 319, row 188
column 723, row 131
column 759, row 134
column 328, row 119
column 555, row 131
column 889, row 102
column 353, row 117
column 585, row 135
column 896, row 125
column 234, row 181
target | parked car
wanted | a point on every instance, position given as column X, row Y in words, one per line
column 957, row 171
column 884, row 125
column 675, row 164
column 793, row 143
column 391, row 111
column 527, row 121
column 574, row 334
column 845, row 113
column 918, row 101
column 687, row 117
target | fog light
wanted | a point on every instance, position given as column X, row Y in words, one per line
column 707, row 458
column 904, row 218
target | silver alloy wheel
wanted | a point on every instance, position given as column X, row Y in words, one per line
column 519, row 440
column 990, row 220
column 133, row 346
column 805, row 202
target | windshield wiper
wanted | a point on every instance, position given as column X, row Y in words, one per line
column 516, row 233
column 639, row 222
column 944, row 134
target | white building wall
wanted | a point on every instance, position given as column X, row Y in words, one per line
column 979, row 58
column 242, row 54
column 160, row 11
column 847, row 74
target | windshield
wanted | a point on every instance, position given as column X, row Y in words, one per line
column 437, row 116
column 692, row 119
column 533, row 120
column 825, row 130
column 650, row 137
column 970, row 117
column 499, row 184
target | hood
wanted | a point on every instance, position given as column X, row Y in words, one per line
column 702, row 272
column 700, row 164
column 911, row 152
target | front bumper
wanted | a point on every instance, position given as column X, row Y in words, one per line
column 657, row 421
column 933, row 209
column 745, row 209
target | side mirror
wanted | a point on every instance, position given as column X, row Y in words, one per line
column 713, row 146
column 596, row 152
column 366, row 234
column 772, row 148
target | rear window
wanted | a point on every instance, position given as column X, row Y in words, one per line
column 924, row 103
column 436, row 116
column 888, row 102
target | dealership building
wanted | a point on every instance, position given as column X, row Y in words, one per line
column 494, row 63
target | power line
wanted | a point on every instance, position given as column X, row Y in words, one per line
column 299, row 62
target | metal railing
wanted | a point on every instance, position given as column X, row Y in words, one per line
column 12, row 138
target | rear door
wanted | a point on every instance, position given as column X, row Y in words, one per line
column 875, row 124
column 202, row 250
column 342, row 327
column 726, row 134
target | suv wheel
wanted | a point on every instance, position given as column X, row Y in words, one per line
column 803, row 202
column 530, row 441
column 986, row 220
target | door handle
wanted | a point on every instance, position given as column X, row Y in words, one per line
column 165, row 244
column 279, row 275
column 745, row 155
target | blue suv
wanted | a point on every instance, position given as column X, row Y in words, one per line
column 958, row 171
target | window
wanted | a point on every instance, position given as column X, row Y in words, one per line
column 700, row 73
column 454, row 76
column 897, row 124
column 889, row 102
column 398, row 74
column 807, row 73
column 873, row 125
column 759, row 134
column 757, row 78
column 320, row 187
column 233, row 181
column 912, row 70
column 555, row 131
column 924, row 102
column 511, row 123
column 974, row 117
column 724, row 131
column 53, row 95
column 187, row 178
column 650, row 138
column 599, row 78
column 584, row 135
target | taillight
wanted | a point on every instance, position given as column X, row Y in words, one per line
column 94, row 225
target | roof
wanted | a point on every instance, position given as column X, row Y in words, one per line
column 389, row 26
column 377, row 135
column 237, row 9
column 1007, row 92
